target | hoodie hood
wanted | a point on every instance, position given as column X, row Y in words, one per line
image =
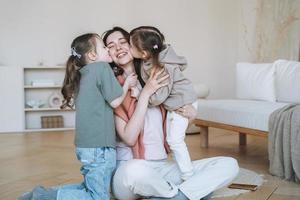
column 169, row 56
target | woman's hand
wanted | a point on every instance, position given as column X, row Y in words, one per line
column 187, row 111
column 154, row 83
column 129, row 131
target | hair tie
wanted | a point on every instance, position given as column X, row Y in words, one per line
column 155, row 46
column 74, row 53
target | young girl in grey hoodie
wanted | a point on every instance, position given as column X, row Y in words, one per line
column 147, row 43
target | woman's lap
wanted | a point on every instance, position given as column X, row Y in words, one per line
column 210, row 175
column 137, row 178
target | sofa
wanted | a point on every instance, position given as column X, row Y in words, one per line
column 260, row 90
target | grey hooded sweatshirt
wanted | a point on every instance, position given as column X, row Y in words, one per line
column 180, row 90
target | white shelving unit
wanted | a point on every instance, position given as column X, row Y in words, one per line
column 45, row 109
column 33, row 92
column 41, row 87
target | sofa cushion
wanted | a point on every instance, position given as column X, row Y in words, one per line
column 255, row 81
column 243, row 113
column 287, row 81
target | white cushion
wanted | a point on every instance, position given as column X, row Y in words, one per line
column 287, row 81
column 242, row 113
column 255, row 81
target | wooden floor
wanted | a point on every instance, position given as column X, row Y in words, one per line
column 48, row 159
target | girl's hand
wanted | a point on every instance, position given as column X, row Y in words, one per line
column 155, row 83
column 135, row 92
column 131, row 80
column 187, row 111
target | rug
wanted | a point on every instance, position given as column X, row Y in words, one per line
column 245, row 176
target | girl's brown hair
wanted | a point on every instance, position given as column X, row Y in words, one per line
column 149, row 39
column 79, row 47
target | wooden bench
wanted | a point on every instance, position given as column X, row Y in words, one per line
column 204, row 125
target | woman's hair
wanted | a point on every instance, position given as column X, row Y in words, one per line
column 79, row 47
column 136, row 62
column 149, row 39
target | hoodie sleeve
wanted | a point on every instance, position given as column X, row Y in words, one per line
column 162, row 93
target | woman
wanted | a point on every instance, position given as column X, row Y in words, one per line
column 151, row 175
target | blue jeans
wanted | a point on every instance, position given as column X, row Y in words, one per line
column 97, row 167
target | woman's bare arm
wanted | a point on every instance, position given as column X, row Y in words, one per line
column 129, row 132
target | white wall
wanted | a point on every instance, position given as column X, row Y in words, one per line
column 205, row 31
column 212, row 34
column 11, row 99
column 269, row 30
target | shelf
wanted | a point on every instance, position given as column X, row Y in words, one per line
column 42, row 87
column 39, row 84
column 49, row 129
column 55, row 67
column 45, row 109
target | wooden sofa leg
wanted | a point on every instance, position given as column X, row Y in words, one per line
column 204, row 136
column 242, row 139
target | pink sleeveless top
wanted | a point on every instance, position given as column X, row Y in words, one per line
column 153, row 138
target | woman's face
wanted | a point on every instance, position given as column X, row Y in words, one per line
column 119, row 48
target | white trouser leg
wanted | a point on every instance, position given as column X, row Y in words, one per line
column 209, row 175
column 176, row 127
column 136, row 178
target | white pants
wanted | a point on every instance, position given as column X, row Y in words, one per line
column 176, row 127
column 140, row 178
